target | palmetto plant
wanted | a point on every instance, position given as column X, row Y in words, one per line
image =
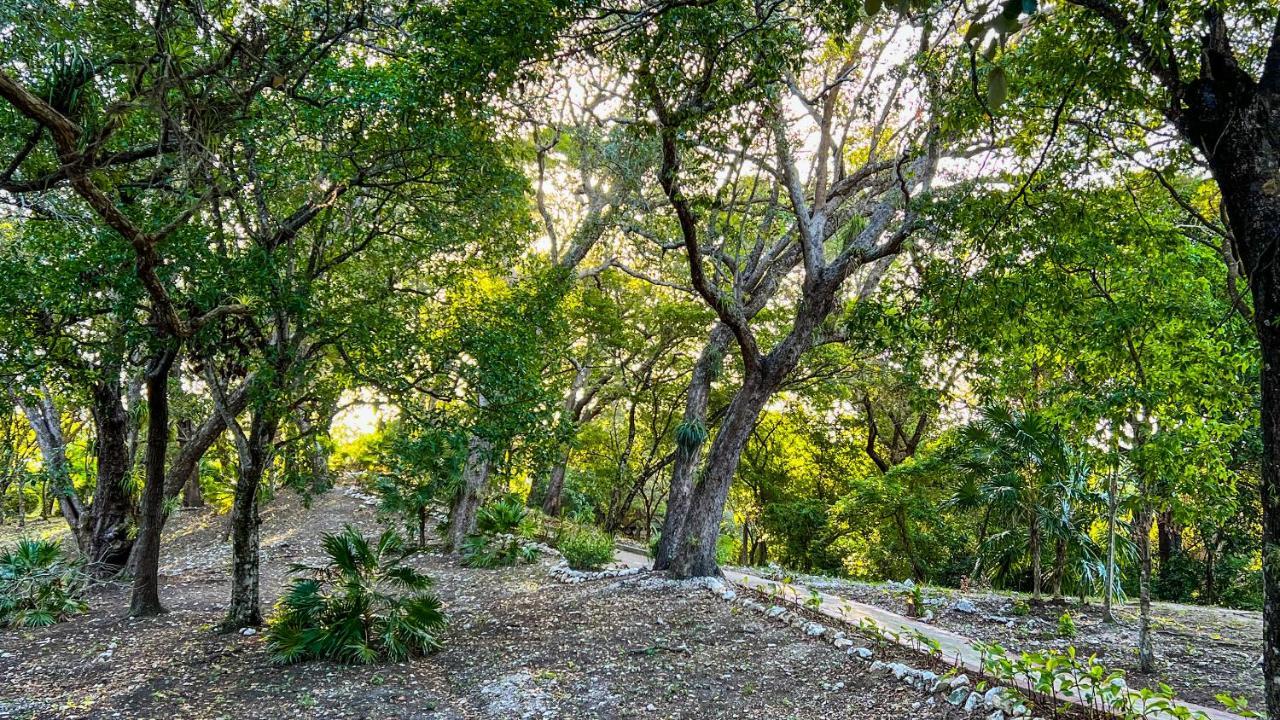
column 502, row 516
column 1020, row 468
column 363, row 606
column 38, row 585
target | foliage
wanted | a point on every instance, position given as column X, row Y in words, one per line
column 585, row 547
column 365, row 605
column 1102, row 692
column 1066, row 626
column 38, row 585
column 503, row 515
column 493, row 551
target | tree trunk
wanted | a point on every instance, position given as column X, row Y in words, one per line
column 1235, row 123
column 1108, row 591
column 104, row 528
column 904, row 535
column 1210, row 563
column 982, row 540
column 553, row 494
column 1033, row 549
column 1169, row 537
column 685, row 466
column 695, row 548
column 22, row 500
column 1059, row 566
column 317, row 451
column 245, row 609
column 46, row 423
column 145, row 598
column 472, row 487
column 1146, row 650
column 191, row 495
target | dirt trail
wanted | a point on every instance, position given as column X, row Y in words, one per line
column 520, row 645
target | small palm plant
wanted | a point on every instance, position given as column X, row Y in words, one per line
column 38, row 585
column 365, row 605
column 502, row 516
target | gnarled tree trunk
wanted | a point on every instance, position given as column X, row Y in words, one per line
column 103, row 530
column 471, row 491
column 685, row 466
column 46, row 423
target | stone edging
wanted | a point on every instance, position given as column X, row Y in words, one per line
column 1003, row 703
column 565, row 574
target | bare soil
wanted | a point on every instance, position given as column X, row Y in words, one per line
column 1200, row 651
column 520, row 645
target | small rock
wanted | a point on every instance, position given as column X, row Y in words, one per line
column 958, row 696
column 248, row 631
column 965, row 606
column 862, row 652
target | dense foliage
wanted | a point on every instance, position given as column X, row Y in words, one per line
column 971, row 295
column 38, row 585
column 366, row 604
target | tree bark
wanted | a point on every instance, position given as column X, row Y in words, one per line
column 1033, row 549
column 553, row 494
column 471, row 490
column 1146, row 650
column 1108, row 590
column 695, row 545
column 1059, row 565
column 104, row 528
column 904, row 534
column 685, row 465
column 46, row 423
column 245, row 609
column 191, row 495
column 145, row 599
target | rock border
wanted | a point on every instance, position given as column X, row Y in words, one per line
column 1002, row 702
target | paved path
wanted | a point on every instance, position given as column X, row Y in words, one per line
column 955, row 648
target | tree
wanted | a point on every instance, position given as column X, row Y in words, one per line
column 711, row 77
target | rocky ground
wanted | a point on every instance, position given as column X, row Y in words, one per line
column 1201, row 651
column 520, row 645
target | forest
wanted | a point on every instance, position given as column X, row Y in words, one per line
column 640, row 358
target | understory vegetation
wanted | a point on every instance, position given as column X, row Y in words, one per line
column 970, row 296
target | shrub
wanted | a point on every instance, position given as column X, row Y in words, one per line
column 487, row 551
column 1066, row 626
column 502, row 516
column 584, row 547
column 1021, row 608
column 39, row 586
column 364, row 605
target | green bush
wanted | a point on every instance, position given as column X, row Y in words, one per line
column 364, row 605
column 1066, row 626
column 585, row 547
column 39, row 586
column 502, row 516
column 1021, row 608
column 487, row 551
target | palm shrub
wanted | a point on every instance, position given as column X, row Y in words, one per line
column 501, row 516
column 585, row 547
column 39, row 586
column 366, row 604
column 486, row 551
column 496, row 543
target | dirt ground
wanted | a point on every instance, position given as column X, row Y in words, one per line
column 520, row 645
column 1200, row 651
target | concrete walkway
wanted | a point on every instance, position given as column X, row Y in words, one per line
column 955, row 648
